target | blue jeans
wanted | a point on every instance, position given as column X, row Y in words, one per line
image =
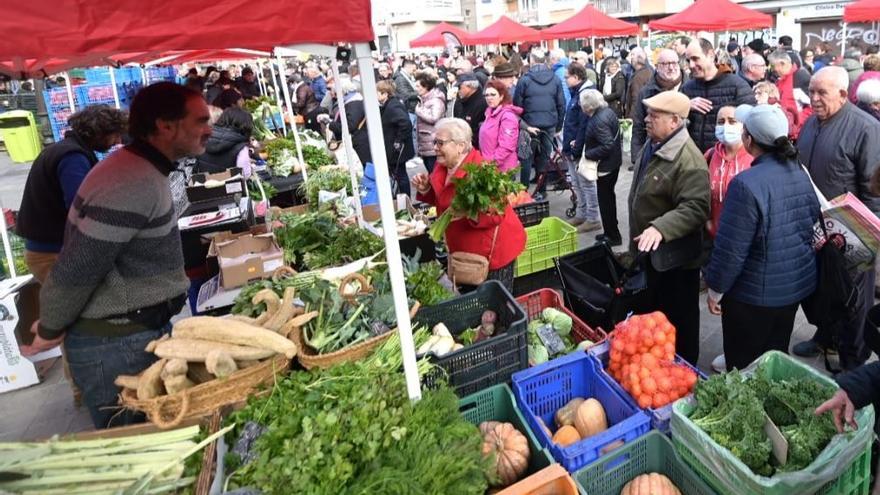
column 95, row 362
column 525, row 173
column 586, row 192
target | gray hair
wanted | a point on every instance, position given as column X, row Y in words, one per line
column 836, row 74
column 537, row 56
column 869, row 91
column 638, row 56
column 752, row 60
column 459, row 130
column 557, row 54
column 471, row 84
column 346, row 85
column 592, row 100
column 779, row 56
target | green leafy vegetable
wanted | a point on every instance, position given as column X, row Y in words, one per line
column 316, row 157
column 483, row 190
column 325, row 180
column 561, row 322
column 257, row 195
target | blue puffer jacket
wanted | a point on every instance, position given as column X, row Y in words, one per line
column 575, row 118
column 561, row 71
column 539, row 93
column 763, row 252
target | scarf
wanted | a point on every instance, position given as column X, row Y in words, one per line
column 665, row 85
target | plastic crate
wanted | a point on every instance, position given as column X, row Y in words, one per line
column 539, row 300
column 542, row 390
column 93, row 94
column 56, row 98
column 552, row 238
column 694, row 445
column 532, row 213
column 660, row 417
column 496, row 403
column 553, row 479
column 485, row 363
column 652, row 453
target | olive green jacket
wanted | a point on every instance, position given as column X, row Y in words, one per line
column 674, row 195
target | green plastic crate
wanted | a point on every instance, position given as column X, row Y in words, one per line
column 652, row 453
column 552, row 238
column 694, row 446
column 496, row 403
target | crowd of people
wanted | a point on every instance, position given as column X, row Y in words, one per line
column 729, row 148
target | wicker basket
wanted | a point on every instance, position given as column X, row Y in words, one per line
column 309, row 359
column 168, row 411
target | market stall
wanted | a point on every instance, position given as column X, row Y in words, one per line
column 712, row 16
column 434, row 37
column 504, row 30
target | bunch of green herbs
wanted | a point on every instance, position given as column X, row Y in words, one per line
column 423, row 281
column 331, row 180
column 316, row 157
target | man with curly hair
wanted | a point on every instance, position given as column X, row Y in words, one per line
column 55, row 177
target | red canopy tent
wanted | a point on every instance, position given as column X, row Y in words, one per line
column 434, row 37
column 862, row 11
column 75, row 28
column 587, row 23
column 504, row 30
column 713, row 15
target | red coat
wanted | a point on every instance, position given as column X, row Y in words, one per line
column 476, row 236
column 721, row 172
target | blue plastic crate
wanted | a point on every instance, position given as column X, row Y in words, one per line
column 542, row 390
column 56, row 98
column 659, row 417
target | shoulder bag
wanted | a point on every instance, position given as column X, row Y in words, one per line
column 470, row 268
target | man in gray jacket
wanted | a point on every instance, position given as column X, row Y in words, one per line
column 840, row 146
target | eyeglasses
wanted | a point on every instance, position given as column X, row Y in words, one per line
column 668, row 65
column 440, row 142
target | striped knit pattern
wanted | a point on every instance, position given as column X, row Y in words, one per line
column 122, row 249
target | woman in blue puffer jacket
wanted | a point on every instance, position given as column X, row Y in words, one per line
column 763, row 263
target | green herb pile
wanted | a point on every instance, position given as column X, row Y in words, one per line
column 423, row 281
column 281, row 156
column 325, row 180
column 731, row 407
column 352, row 429
column 260, row 109
column 254, row 104
column 257, row 195
column 315, row 240
column 316, row 157
column 483, row 190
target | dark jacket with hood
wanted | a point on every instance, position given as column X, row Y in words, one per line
column 618, row 92
column 356, row 116
column 724, row 89
column 601, row 140
column 575, row 121
column 221, row 150
column 539, row 94
column 398, row 132
column 472, row 110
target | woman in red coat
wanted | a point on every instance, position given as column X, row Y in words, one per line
column 500, row 238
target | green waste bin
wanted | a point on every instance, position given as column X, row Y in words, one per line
column 20, row 135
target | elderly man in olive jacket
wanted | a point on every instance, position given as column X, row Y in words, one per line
column 668, row 208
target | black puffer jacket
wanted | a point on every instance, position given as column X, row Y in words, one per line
column 723, row 90
column 398, row 132
column 539, row 94
column 618, row 92
column 473, row 111
column 221, row 150
column 356, row 117
column 602, row 140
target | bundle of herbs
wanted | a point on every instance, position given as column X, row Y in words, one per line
column 332, row 180
column 484, row 189
column 423, row 281
column 352, row 429
column 281, row 156
column 316, row 157
column 730, row 407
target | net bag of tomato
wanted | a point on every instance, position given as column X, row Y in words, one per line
column 639, row 360
column 720, row 432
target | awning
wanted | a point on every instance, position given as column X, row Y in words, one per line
column 504, row 30
column 434, row 37
column 713, row 15
column 862, row 11
column 587, row 23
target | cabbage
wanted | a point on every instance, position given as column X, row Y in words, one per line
column 538, row 354
column 561, row 322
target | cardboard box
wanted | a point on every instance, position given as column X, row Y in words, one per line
column 372, row 213
column 16, row 371
column 248, row 258
column 233, row 185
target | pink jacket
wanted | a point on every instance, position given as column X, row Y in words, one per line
column 499, row 135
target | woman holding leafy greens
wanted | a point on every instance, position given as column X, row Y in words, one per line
column 498, row 237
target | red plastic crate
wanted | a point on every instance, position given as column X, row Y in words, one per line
column 535, row 302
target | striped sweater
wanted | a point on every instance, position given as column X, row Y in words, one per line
column 122, row 249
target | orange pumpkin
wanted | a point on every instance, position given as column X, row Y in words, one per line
column 650, row 484
column 566, row 436
column 510, row 449
column 590, row 418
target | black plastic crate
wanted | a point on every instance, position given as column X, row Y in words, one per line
column 485, row 363
column 532, row 213
column 544, row 279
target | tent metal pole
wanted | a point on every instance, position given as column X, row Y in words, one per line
column 346, row 140
column 144, row 76
column 69, row 92
column 389, row 223
column 299, row 151
column 280, row 103
column 843, row 41
column 113, row 85
column 260, row 82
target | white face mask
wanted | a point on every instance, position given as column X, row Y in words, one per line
column 729, row 133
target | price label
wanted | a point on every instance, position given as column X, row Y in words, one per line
column 551, row 340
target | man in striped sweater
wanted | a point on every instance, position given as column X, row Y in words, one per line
column 119, row 277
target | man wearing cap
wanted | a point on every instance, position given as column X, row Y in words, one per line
column 506, row 73
column 668, row 207
column 754, row 46
column 710, row 89
column 763, row 264
column 840, row 146
column 470, row 104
